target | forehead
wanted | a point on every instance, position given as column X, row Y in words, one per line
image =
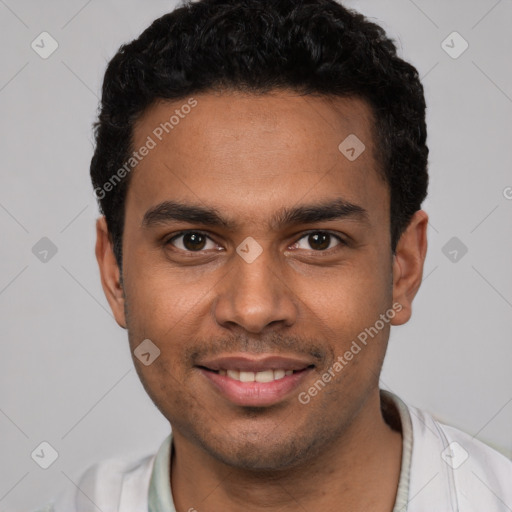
column 237, row 150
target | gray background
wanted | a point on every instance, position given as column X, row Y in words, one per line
column 66, row 376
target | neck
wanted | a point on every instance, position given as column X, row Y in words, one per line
column 360, row 470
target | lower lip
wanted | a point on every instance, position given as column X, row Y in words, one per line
column 256, row 394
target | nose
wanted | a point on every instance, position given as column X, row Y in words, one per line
column 254, row 295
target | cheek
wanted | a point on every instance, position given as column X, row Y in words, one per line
column 164, row 384
column 166, row 296
column 350, row 298
column 168, row 307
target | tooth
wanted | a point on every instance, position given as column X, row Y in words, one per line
column 279, row 374
column 246, row 376
column 234, row 374
column 265, row 376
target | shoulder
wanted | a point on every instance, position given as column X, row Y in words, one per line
column 110, row 486
column 469, row 474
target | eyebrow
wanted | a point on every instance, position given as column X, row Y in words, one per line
column 172, row 211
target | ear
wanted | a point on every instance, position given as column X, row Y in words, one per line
column 408, row 263
column 109, row 271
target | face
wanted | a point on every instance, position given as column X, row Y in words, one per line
column 253, row 248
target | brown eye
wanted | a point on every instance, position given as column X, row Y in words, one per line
column 190, row 241
column 319, row 241
column 194, row 241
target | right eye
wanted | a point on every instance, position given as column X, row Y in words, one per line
column 191, row 241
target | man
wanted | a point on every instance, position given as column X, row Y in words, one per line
column 261, row 167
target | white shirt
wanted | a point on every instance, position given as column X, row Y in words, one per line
column 443, row 470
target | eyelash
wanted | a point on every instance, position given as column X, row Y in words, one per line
column 305, row 234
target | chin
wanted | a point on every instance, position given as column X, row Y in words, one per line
column 261, row 455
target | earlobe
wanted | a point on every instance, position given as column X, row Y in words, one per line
column 109, row 272
column 408, row 264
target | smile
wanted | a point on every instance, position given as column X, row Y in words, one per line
column 257, row 382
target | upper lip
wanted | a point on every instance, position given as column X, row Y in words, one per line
column 255, row 363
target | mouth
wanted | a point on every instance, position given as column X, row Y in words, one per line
column 247, row 381
column 268, row 375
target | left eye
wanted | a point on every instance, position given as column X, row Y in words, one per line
column 318, row 241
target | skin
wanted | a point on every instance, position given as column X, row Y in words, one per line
column 249, row 156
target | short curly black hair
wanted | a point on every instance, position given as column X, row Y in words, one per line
column 315, row 47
